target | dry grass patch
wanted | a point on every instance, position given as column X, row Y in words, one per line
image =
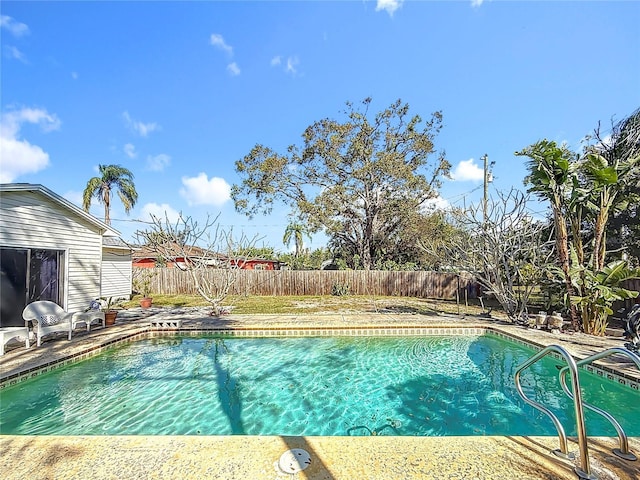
column 322, row 304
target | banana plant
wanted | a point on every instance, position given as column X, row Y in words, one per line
column 605, row 182
column 553, row 177
column 598, row 290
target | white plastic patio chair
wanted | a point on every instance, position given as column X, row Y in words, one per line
column 47, row 317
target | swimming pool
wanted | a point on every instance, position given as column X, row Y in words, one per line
column 213, row 385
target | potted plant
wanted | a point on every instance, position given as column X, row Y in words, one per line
column 108, row 306
column 145, row 290
column 146, row 302
column 142, row 285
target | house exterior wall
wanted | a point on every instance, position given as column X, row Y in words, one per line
column 116, row 273
column 244, row 265
column 152, row 262
column 32, row 220
column 258, row 265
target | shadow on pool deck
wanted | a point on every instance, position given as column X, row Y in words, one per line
column 332, row 458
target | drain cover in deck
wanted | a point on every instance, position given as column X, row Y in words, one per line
column 294, row 460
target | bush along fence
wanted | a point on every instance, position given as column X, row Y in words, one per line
column 449, row 286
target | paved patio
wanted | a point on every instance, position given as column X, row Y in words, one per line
column 256, row 457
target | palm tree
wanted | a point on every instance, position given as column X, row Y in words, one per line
column 296, row 231
column 113, row 177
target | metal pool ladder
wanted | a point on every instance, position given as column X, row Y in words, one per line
column 584, row 471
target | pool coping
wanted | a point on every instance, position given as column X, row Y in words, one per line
column 332, row 458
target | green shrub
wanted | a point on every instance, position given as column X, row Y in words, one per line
column 340, row 289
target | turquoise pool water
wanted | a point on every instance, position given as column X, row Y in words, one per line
column 306, row 386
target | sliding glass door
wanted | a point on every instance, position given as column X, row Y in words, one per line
column 27, row 275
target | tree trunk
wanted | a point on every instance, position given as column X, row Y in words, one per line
column 562, row 244
column 599, row 246
column 107, row 207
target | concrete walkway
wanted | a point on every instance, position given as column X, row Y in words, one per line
column 257, row 457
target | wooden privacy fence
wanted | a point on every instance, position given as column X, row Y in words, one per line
column 631, row 284
column 172, row 281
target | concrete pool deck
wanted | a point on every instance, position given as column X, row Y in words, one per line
column 256, row 457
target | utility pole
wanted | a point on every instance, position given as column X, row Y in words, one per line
column 485, row 158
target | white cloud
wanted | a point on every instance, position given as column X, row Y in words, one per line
column 159, row 162
column 476, row 3
column 389, row 5
column 74, row 75
column 161, row 212
column 466, row 171
column 142, row 129
column 130, row 150
column 218, row 42
column 13, row 120
column 203, row 191
column 233, row 69
column 14, row 53
column 435, row 204
column 20, row 157
column 292, row 63
column 607, row 141
column 17, row 29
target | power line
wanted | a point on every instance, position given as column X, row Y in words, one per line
column 134, row 220
column 461, row 196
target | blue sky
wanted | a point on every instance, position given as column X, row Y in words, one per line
column 178, row 91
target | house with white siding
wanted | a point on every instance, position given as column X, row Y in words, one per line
column 50, row 249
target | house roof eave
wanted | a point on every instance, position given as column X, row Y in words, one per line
column 31, row 187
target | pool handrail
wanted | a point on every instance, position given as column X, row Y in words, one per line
column 584, row 471
column 623, row 450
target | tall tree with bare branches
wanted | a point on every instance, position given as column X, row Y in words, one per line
column 211, row 255
column 502, row 246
